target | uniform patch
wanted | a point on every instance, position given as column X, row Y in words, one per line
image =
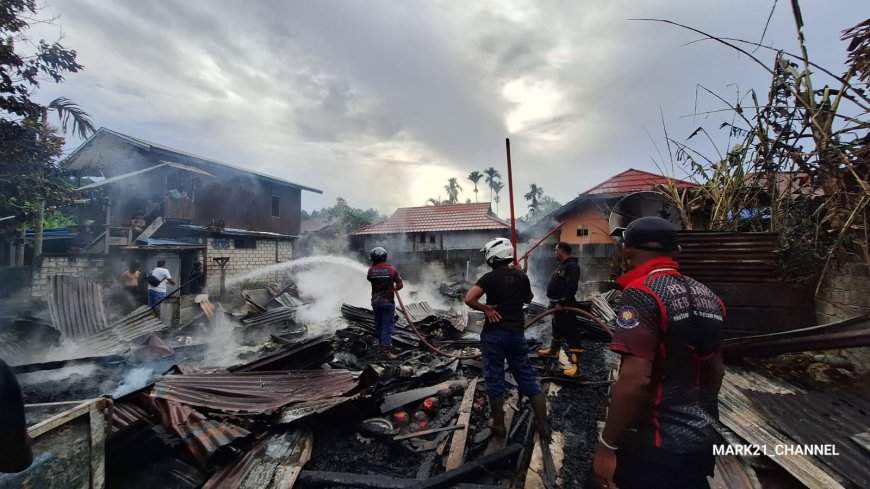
column 627, row 317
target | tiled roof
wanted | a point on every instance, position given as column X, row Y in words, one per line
column 456, row 217
column 633, row 180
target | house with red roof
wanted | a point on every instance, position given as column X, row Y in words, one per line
column 434, row 229
column 585, row 219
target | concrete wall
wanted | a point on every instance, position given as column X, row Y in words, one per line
column 87, row 266
column 589, row 217
column 246, row 260
column 433, row 241
column 845, row 293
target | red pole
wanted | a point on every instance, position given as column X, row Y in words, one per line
column 541, row 241
column 507, row 143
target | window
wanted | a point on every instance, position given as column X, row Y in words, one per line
column 432, row 238
column 245, row 243
column 582, row 232
column 422, row 238
column 276, row 205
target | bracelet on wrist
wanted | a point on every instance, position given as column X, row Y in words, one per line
column 606, row 445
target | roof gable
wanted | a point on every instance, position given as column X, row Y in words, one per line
column 80, row 157
column 455, row 217
column 632, row 180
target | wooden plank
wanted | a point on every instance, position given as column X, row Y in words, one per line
column 99, row 426
column 737, row 412
column 457, row 446
column 427, row 432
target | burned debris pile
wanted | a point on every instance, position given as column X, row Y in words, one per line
column 248, row 397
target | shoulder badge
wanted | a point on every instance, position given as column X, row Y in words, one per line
column 627, row 317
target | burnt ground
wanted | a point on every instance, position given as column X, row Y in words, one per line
column 575, row 411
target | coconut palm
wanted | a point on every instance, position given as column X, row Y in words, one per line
column 534, row 196
column 496, row 187
column 71, row 116
column 492, row 176
column 475, row 177
column 453, row 188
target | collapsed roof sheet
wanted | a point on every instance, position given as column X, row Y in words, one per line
column 76, row 306
column 117, row 337
column 253, row 392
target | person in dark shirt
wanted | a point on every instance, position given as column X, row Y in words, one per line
column 196, row 279
column 659, row 429
column 385, row 280
column 506, row 289
column 15, row 453
column 561, row 291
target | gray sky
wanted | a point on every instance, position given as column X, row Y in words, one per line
column 380, row 102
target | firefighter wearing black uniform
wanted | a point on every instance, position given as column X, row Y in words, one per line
column 659, row 429
column 561, row 291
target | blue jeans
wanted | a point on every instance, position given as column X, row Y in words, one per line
column 498, row 346
column 385, row 322
column 154, row 297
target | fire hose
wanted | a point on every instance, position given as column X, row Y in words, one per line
column 475, row 356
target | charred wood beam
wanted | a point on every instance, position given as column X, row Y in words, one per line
column 319, row 478
column 457, row 447
column 427, row 432
column 450, row 478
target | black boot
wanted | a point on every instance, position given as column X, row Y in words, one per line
column 496, row 409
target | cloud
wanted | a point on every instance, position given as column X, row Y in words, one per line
column 381, row 102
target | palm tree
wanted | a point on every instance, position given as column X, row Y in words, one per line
column 492, row 176
column 496, row 187
column 453, row 190
column 434, row 201
column 475, row 177
column 533, row 196
column 71, row 116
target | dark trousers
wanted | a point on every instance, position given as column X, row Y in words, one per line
column 385, row 322
column 566, row 327
column 498, row 347
column 669, row 471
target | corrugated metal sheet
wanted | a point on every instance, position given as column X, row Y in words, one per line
column 253, row 392
column 819, row 418
column 202, row 437
column 419, row 311
column 274, row 462
column 305, row 354
column 729, row 257
column 76, row 306
column 431, row 218
column 281, row 314
column 119, row 335
column 125, row 413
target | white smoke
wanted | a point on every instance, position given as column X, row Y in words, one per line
column 135, row 379
column 326, row 283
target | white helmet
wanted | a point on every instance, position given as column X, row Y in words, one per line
column 497, row 251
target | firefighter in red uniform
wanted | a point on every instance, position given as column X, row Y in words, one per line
column 659, row 432
column 385, row 281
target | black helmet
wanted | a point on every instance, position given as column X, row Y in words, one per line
column 651, row 233
column 378, row 255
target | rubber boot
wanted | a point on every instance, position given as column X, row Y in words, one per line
column 496, row 410
column 574, row 355
column 553, row 350
column 539, row 409
column 387, row 352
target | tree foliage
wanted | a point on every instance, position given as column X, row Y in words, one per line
column 796, row 163
column 29, row 147
column 344, row 218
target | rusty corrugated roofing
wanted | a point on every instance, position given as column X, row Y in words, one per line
column 419, row 311
column 76, row 306
column 201, row 436
column 274, row 462
column 456, row 217
column 253, row 392
column 633, row 180
column 729, row 257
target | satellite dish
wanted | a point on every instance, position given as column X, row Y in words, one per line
column 643, row 204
